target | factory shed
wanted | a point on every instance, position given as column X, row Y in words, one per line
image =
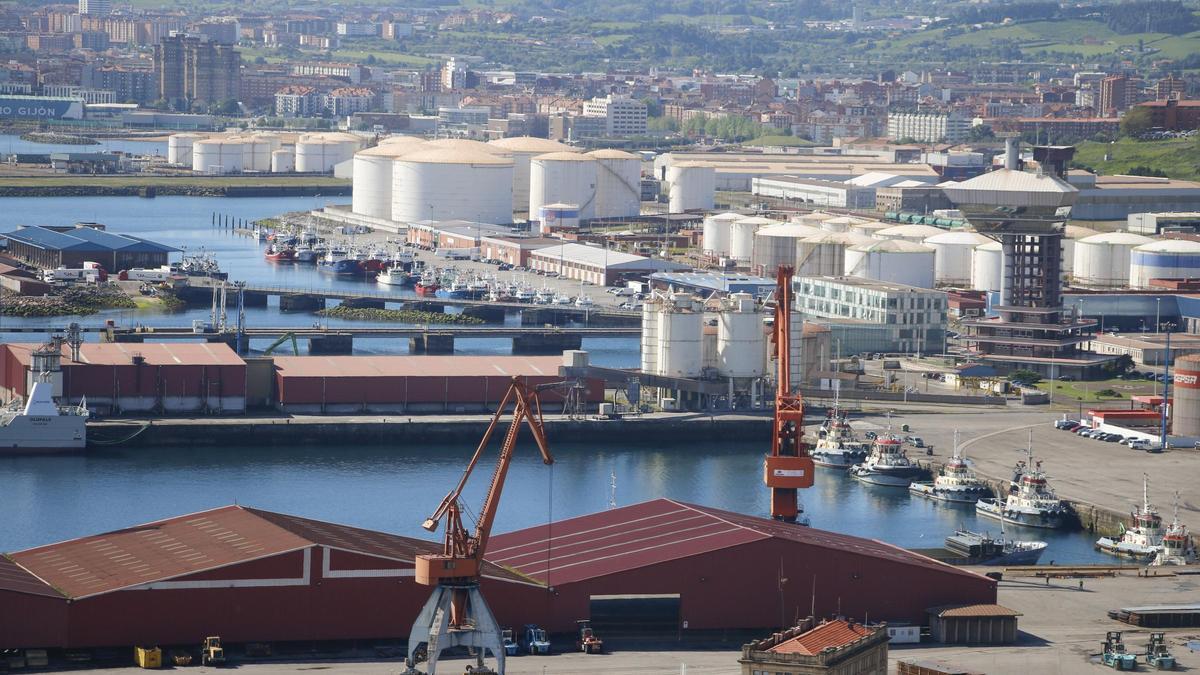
column 119, row 377
column 413, row 384
column 245, row 574
column 596, row 264
column 666, row 566
column 49, row 248
column 989, row 624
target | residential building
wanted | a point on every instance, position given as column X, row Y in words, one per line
column 1116, row 95
column 353, row 30
column 1170, row 87
column 834, row 647
column 865, row 315
column 127, row 84
column 345, row 101
column 95, row 7
column 1173, row 114
column 350, row 72
column 928, row 127
column 297, row 101
column 624, row 116
column 193, row 69
column 454, row 75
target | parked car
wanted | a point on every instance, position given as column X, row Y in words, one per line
column 1115, row 438
column 915, row 441
column 871, row 435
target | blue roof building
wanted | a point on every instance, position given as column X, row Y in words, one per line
column 51, row 247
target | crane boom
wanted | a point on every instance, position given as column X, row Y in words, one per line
column 789, row 467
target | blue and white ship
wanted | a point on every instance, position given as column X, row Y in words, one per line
column 1030, row 501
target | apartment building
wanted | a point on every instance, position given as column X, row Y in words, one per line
column 623, row 116
column 927, row 127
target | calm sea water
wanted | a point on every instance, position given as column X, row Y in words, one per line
column 11, row 143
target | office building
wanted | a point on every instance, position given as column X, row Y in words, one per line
column 192, row 69
column 865, row 315
column 95, row 7
column 623, row 116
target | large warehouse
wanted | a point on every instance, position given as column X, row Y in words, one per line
column 660, row 568
column 49, row 248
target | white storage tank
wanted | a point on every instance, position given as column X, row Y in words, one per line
column 315, row 155
column 651, row 311
column 283, row 161
column 693, row 186
column 179, row 148
column 824, row 254
column 741, row 341
column 777, row 245
column 521, row 149
column 987, row 267
column 618, row 184
column 1102, row 260
column 256, row 153
column 1071, row 234
column 681, row 349
column 741, row 236
column 952, row 256
column 840, row 223
column 372, row 193
column 815, row 218
column 466, row 144
column 1164, row 259
column 894, row 260
column 217, row 156
column 911, row 232
column 869, row 228
column 716, row 233
column 558, row 217
column 452, row 184
column 563, row 178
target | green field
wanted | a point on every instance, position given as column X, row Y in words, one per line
column 1178, row 158
column 1086, row 391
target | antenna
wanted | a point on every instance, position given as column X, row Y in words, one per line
column 612, row 489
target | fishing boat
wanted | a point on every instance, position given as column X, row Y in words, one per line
column 973, row 548
column 525, row 295
column 333, row 263
column 392, row 276
column 458, row 290
column 38, row 424
column 561, row 299
column 887, row 464
column 1144, row 538
column 584, row 301
column 428, row 285
column 276, row 253
column 1030, row 500
column 836, row 446
column 956, row 483
column 478, row 288
column 1177, row 548
column 543, row 297
column 306, row 255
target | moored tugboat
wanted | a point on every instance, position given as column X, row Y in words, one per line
column 956, row 483
column 836, row 446
column 887, row 465
column 1143, row 540
column 1030, row 501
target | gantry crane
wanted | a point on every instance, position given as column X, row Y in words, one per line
column 456, row 613
column 789, row 467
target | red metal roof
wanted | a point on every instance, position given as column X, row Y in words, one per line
column 971, row 611
column 14, row 578
column 660, row 530
column 829, row 635
column 417, row 366
column 154, row 353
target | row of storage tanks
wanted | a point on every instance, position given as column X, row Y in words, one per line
column 261, row 152
column 823, row 244
column 680, row 340
column 407, row 179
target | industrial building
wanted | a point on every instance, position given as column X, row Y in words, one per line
column 597, row 265
column 52, row 247
column 708, row 283
column 836, row 647
column 1153, row 224
column 872, row 316
column 735, row 171
column 513, row 249
column 1115, row 197
column 452, row 234
column 207, row 378
column 826, row 193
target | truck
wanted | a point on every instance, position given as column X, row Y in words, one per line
column 153, row 275
column 68, row 275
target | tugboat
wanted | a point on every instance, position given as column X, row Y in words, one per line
column 1142, row 541
column 1030, row 501
column 973, row 548
column 887, row 465
column 957, row 483
column 1177, row 546
column 836, row 446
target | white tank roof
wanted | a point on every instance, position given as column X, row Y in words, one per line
column 392, row 150
column 1078, row 232
column 1170, row 246
column 464, row 144
column 728, row 215
column 892, row 246
column 757, row 220
column 530, row 144
column 910, row 230
column 794, row 230
column 844, row 238
column 564, row 157
column 455, row 156
column 611, row 153
column 959, row 237
column 403, row 140
column 990, row 246
column 1119, row 238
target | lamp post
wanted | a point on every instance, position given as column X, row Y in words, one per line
column 1157, row 314
column 1162, row 439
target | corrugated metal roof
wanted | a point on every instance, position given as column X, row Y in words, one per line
column 118, row 242
column 18, row 580
column 44, row 238
column 154, row 353
column 661, row 530
column 829, row 635
column 85, row 239
column 962, row 611
column 1009, row 187
column 417, row 366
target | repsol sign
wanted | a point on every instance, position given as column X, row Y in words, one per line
column 1187, row 380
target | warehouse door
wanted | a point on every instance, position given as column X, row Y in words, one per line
column 635, row 615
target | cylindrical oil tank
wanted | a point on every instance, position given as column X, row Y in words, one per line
column 895, row 261
column 372, row 192
column 217, row 156
column 952, row 256
column 618, row 183
column 283, row 161
column 1185, row 409
column 1102, row 260
column 987, row 267
column 815, row 218
column 870, row 228
column 256, row 154
column 741, row 342
column 777, row 245
column 693, row 186
column 522, row 149
column 1164, row 259
column 824, row 254
column 681, row 350
column 179, row 148
column 912, row 232
column 315, row 155
column 716, row 233
column 563, row 178
column 452, row 184
column 840, row 223
column 1071, row 234
column 741, row 236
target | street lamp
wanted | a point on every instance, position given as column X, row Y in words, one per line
column 1157, row 313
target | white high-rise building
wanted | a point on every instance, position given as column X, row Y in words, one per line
column 927, row 127
column 95, row 7
column 624, row 116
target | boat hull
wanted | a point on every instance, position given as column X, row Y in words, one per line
column 38, row 435
column 1111, row 547
column 882, row 479
column 836, row 460
column 1029, row 556
column 1048, row 521
column 929, row 491
column 342, row 267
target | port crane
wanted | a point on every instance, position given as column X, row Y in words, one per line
column 789, row 467
column 456, row 613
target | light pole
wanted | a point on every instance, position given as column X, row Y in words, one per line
column 1157, row 314
column 1162, row 439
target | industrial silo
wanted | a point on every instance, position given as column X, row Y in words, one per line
column 1071, row 234
column 316, row 155
column 522, row 149
column 1185, row 410
column 824, row 254
column 618, row 184
column 452, row 184
column 716, row 233
column 681, row 351
column 952, row 256
column 693, row 186
column 895, row 261
column 741, row 342
column 741, row 236
column 217, row 156
column 1102, row 260
column 911, row 232
column 179, row 148
column 563, row 177
column 987, row 267
column 651, row 312
column 776, row 245
column 283, row 160
column 1164, row 259
column 372, row 192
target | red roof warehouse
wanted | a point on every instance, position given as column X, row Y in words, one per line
column 659, row 567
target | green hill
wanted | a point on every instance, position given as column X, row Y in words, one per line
column 1178, row 158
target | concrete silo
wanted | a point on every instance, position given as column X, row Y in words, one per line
column 741, row 342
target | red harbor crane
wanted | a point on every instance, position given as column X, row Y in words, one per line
column 789, row 467
column 456, row 613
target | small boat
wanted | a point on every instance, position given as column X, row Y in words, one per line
column 393, row 276
column 584, row 301
column 973, row 548
column 276, row 253
column 333, row 263
column 1030, row 501
column 1177, row 546
column 956, row 483
column 887, row 465
column 562, row 299
column 1144, row 538
column 836, row 446
column 544, row 297
column 428, row 285
column 458, row 290
column 525, row 295
column 306, row 255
